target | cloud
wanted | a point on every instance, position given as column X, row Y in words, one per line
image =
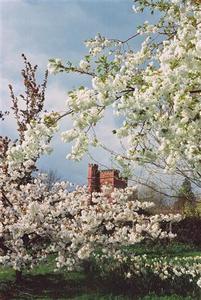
column 45, row 29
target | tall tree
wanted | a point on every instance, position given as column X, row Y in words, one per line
column 186, row 197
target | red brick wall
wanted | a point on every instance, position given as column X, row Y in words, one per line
column 107, row 177
column 96, row 179
column 93, row 178
column 119, row 182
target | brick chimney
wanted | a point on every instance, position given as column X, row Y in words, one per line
column 93, row 178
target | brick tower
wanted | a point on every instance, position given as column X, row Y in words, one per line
column 93, row 178
column 96, row 179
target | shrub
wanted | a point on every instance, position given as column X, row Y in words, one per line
column 188, row 230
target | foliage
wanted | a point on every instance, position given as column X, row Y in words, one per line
column 188, row 230
column 186, row 199
column 152, row 272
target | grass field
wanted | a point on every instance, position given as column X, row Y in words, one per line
column 60, row 286
column 43, row 283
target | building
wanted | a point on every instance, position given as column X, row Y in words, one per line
column 97, row 178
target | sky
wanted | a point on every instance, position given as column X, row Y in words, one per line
column 44, row 29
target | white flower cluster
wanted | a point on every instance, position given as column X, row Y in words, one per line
column 36, row 142
column 165, row 267
column 84, row 65
column 156, row 90
column 54, row 65
column 97, row 44
column 37, row 222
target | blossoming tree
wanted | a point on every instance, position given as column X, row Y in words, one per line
column 37, row 221
column 156, row 91
column 18, row 190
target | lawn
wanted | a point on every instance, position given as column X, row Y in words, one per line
column 43, row 283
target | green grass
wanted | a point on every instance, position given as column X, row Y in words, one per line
column 171, row 249
column 42, row 283
column 172, row 297
column 57, row 286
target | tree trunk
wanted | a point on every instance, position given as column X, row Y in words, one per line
column 18, row 276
